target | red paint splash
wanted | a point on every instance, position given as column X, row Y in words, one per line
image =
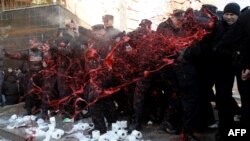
column 128, row 61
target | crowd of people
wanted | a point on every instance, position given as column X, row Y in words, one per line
column 178, row 96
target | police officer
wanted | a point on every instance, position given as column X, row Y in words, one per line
column 185, row 74
column 205, row 71
column 108, row 22
column 105, row 107
column 143, row 86
column 109, row 38
column 58, row 54
column 143, row 29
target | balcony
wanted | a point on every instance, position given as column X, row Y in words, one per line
column 17, row 4
column 20, row 21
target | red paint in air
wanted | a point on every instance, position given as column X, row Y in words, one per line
column 128, row 61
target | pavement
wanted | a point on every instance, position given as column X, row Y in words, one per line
column 150, row 132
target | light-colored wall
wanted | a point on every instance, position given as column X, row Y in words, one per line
column 91, row 11
column 128, row 13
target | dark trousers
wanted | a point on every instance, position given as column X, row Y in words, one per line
column 142, row 87
column 223, row 87
column 57, row 87
column 187, row 83
column 49, row 91
column 103, row 108
column 143, row 95
column 1, row 85
column 244, row 91
column 100, row 108
column 205, row 113
column 171, row 101
column 33, row 95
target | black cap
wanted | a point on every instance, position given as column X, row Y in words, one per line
column 245, row 9
column 65, row 39
column 97, row 27
column 232, row 8
column 178, row 13
column 210, row 7
column 145, row 22
column 107, row 17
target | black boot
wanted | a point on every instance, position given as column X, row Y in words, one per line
column 189, row 137
column 2, row 104
column 220, row 136
column 135, row 124
column 168, row 128
column 27, row 113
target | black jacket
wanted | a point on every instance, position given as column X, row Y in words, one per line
column 239, row 37
column 167, row 28
column 221, row 31
column 243, row 33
